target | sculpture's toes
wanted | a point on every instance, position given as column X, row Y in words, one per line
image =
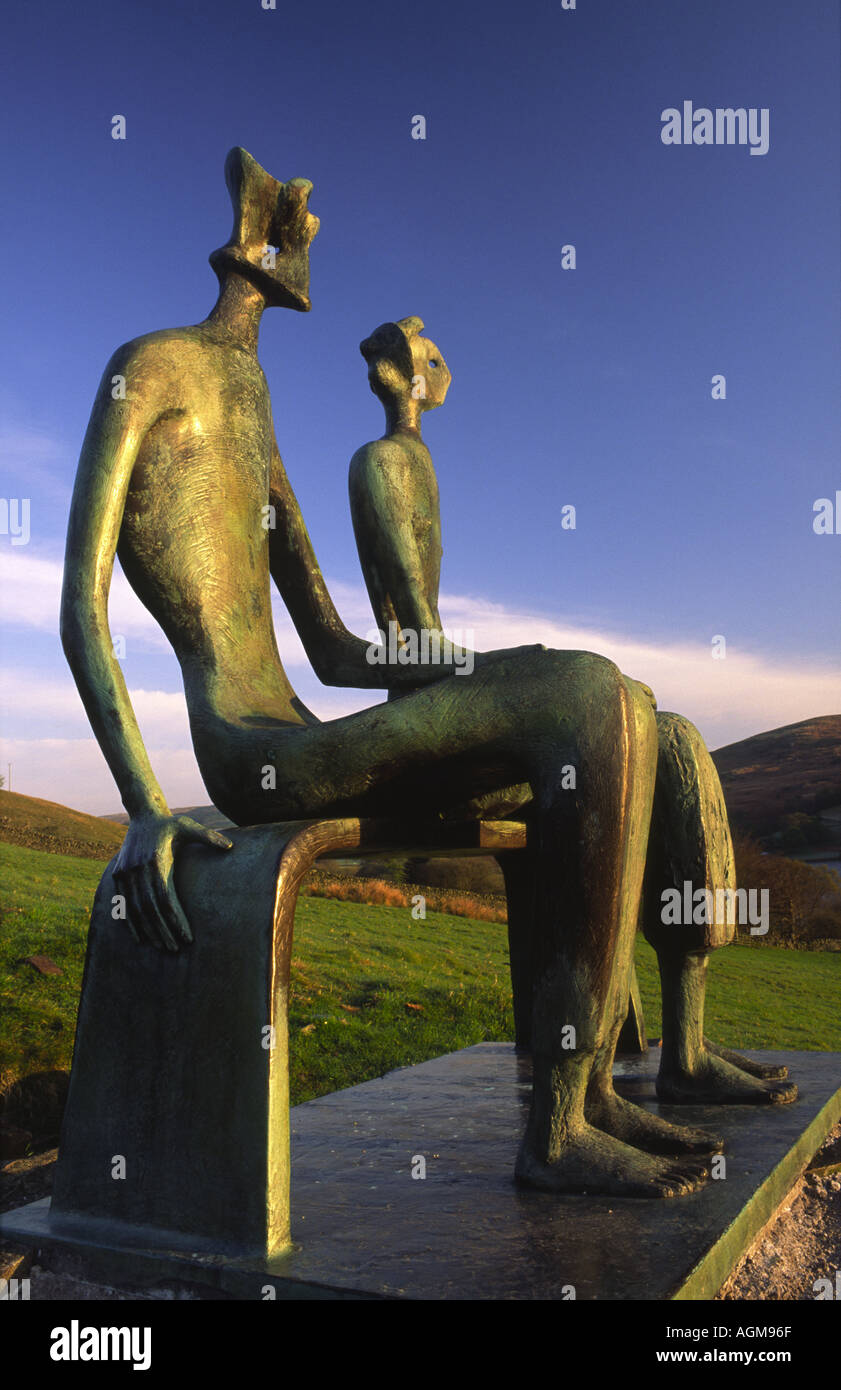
column 595, row 1164
column 633, row 1125
column 715, row 1081
column 766, row 1071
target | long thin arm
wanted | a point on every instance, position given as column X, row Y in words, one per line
column 110, row 449
column 144, row 870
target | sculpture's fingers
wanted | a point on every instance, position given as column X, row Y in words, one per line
column 136, row 912
column 217, row 839
column 193, row 832
column 150, row 898
column 163, row 879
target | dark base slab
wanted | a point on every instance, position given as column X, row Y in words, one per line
column 365, row 1228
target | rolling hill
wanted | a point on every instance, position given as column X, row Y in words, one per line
column 766, row 778
column 769, row 776
column 45, row 825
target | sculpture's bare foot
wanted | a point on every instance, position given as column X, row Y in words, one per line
column 620, row 1117
column 714, row 1081
column 595, row 1164
column 765, row 1070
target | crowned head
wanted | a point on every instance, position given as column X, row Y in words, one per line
column 273, row 228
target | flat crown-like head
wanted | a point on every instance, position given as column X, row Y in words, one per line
column 272, row 232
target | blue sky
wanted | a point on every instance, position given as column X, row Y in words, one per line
column 589, row 387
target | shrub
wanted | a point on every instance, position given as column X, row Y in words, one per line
column 467, row 875
column 355, row 890
column 377, row 892
column 462, row 905
column 803, row 899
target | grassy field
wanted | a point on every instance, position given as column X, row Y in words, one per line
column 371, row 988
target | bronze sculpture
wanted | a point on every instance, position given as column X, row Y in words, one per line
column 183, row 479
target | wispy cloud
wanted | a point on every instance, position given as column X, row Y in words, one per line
column 32, row 459
column 74, row 773
column 30, row 585
column 54, row 705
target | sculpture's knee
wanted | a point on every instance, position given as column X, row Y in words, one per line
column 604, row 703
column 642, row 726
column 620, row 711
column 601, row 717
column 676, row 735
column 584, row 679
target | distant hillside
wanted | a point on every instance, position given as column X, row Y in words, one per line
column 766, row 778
column 782, row 772
column 37, row 824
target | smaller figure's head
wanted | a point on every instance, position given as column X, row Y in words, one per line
column 272, row 232
column 402, row 364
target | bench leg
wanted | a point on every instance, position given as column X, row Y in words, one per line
column 176, row 1130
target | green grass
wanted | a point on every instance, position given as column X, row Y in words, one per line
column 356, row 969
column 377, row 960
column 47, row 899
column 760, row 996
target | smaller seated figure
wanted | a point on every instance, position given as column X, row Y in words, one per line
column 396, row 521
column 393, row 489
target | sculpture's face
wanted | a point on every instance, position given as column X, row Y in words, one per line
column 286, row 282
column 430, row 365
column 402, row 365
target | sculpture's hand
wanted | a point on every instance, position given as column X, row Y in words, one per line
column 348, row 661
column 144, row 873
